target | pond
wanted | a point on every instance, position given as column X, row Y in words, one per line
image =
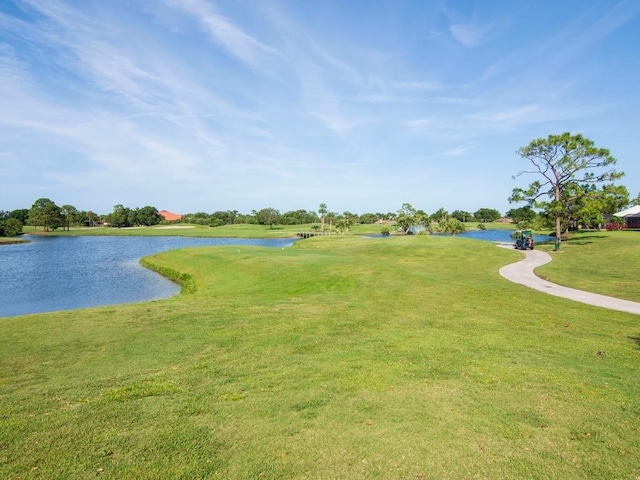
column 61, row 273
column 498, row 236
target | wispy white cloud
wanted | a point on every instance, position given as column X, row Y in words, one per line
column 86, row 48
column 466, row 34
column 277, row 102
column 223, row 31
column 418, row 85
column 466, row 26
column 584, row 30
column 457, row 152
column 13, row 71
column 509, row 117
column 339, row 122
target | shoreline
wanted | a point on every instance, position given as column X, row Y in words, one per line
column 12, row 241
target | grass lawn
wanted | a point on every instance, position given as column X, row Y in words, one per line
column 340, row 357
column 601, row 262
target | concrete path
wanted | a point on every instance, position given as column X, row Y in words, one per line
column 522, row 272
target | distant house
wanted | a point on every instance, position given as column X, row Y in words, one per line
column 631, row 216
column 633, row 221
column 169, row 216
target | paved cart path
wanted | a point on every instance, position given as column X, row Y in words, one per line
column 522, row 272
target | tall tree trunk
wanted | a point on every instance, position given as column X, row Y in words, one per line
column 558, row 218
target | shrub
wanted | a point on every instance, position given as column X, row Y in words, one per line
column 616, row 226
column 10, row 227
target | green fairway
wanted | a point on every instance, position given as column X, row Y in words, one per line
column 340, row 357
column 602, row 262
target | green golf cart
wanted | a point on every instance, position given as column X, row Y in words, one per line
column 524, row 240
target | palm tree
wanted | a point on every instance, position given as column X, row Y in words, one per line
column 342, row 224
column 322, row 210
column 331, row 216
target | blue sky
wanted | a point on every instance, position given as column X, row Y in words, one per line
column 198, row 105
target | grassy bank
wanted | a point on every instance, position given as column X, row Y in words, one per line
column 341, row 357
column 11, row 240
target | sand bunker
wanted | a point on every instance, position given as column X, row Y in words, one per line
column 175, row 226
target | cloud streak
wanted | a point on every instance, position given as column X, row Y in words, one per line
column 221, row 30
column 467, row 35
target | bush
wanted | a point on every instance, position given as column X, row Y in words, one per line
column 385, row 231
column 482, row 226
column 616, row 226
column 10, row 227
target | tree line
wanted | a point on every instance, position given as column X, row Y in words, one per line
column 327, row 218
column 45, row 213
column 588, row 213
column 574, row 189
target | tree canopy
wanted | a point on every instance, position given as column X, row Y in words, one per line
column 69, row 215
column 9, row 226
column 487, row 215
column 522, row 216
column 564, row 162
column 462, row 216
column 406, row 217
column 450, row 225
column 589, row 204
column 268, row 216
column 45, row 213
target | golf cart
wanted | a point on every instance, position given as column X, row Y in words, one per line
column 524, row 240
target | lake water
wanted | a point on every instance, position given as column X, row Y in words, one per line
column 498, row 236
column 62, row 273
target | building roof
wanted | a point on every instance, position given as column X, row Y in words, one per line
column 169, row 216
column 629, row 211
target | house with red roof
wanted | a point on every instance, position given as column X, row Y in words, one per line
column 169, row 216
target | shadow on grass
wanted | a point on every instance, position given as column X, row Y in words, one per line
column 636, row 340
column 582, row 240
